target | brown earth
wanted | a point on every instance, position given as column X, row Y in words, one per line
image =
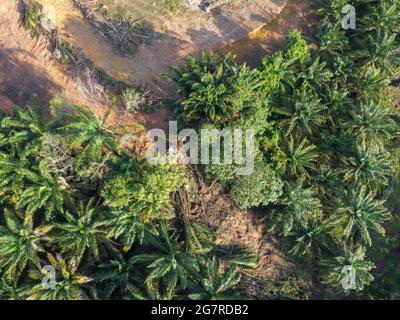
column 271, row 36
column 28, row 73
column 189, row 32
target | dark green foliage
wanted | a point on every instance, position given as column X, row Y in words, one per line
column 214, row 89
column 110, row 233
column 328, row 128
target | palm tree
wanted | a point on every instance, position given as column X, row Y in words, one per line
column 368, row 166
column 369, row 84
column 301, row 158
column 384, row 17
column 168, row 260
column 301, row 114
column 317, row 74
column 14, row 174
column 150, row 291
column 349, row 270
column 329, row 181
column 199, row 239
column 310, row 240
column 333, row 40
column 20, row 243
column 383, row 52
column 115, row 277
column 277, row 74
column 87, row 133
column 336, row 98
column 10, row 291
column 301, row 206
column 336, row 143
column 128, row 225
column 370, row 123
column 44, row 193
column 81, row 232
column 215, row 284
column 213, row 88
column 23, row 131
column 356, row 214
column 68, row 285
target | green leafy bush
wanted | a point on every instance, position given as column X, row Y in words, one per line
column 263, row 187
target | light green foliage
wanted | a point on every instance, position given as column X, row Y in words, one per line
column 262, row 187
column 150, row 189
column 134, row 99
column 215, row 283
column 20, row 244
column 355, row 259
column 297, row 50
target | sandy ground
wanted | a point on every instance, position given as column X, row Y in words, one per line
column 252, row 48
column 28, row 73
column 187, row 33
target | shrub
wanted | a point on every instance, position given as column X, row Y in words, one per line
column 134, row 99
column 263, row 187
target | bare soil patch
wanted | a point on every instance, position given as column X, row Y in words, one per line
column 183, row 33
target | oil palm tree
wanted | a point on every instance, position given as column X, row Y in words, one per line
column 214, row 282
column 20, row 243
column 301, row 157
column 310, row 240
column 23, row 131
column 301, row 205
column 44, row 192
column 333, row 40
column 317, row 74
column 383, row 52
column 88, row 134
column 384, row 17
column 369, row 84
column 214, row 88
column 82, row 232
column 356, row 215
column 369, row 166
column 114, row 277
column 168, row 260
column 370, row 123
column 69, row 284
column 337, row 143
column 350, row 268
column 301, row 114
column 128, row 225
column 9, row 291
column 14, row 174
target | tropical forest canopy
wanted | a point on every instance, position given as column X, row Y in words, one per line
column 327, row 164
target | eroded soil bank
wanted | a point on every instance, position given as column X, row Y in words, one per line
column 180, row 34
